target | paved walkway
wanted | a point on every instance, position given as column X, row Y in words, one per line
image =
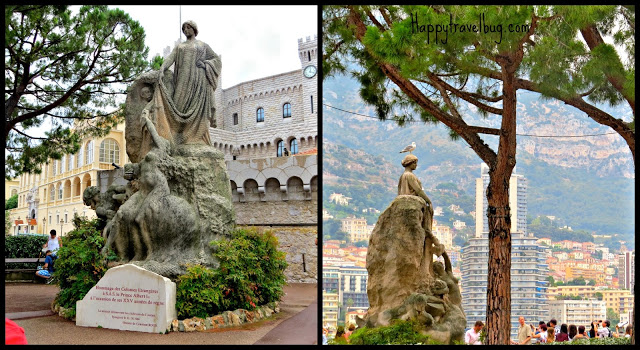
column 29, row 305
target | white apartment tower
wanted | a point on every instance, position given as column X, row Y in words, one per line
column 517, row 202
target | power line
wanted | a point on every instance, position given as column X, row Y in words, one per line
column 417, row 121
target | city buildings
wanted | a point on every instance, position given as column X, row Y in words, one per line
column 49, row 200
column 620, row 300
column 528, row 266
column 330, row 310
column 356, row 228
column 578, row 312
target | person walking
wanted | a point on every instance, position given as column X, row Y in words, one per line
column 472, row 336
column 524, row 333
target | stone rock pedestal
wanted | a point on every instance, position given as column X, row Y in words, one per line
column 401, row 283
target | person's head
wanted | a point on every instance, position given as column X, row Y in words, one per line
column 521, row 320
column 190, row 24
column 563, row 328
column 478, row 326
column 340, row 331
column 628, row 330
column 573, row 330
column 52, row 233
column 551, row 334
column 543, row 327
column 352, row 327
column 541, row 323
column 145, row 93
column 581, row 329
column 606, row 323
column 553, row 322
column 410, row 161
column 48, row 252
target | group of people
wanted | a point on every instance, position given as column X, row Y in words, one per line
column 549, row 332
column 341, row 333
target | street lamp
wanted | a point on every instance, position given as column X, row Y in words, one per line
column 44, row 225
column 61, row 223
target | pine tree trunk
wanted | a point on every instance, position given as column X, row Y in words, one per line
column 499, row 270
column 499, row 217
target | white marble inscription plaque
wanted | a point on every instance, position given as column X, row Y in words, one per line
column 130, row 298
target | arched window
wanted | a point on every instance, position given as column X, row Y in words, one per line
column 70, row 166
column 54, row 167
column 79, row 158
column 293, row 146
column 286, row 110
column 52, row 190
column 235, row 118
column 280, row 151
column 109, row 151
column 60, row 189
column 88, row 153
column 260, row 115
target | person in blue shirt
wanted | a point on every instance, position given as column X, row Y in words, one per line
column 47, row 269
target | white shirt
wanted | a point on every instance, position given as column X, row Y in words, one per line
column 472, row 338
column 603, row 332
column 543, row 337
column 53, row 245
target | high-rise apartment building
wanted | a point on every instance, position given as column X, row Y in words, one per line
column 528, row 267
column 626, row 270
column 578, row 312
column 517, row 201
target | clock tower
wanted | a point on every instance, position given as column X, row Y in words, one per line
column 308, row 53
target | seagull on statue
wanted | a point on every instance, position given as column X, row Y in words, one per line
column 409, row 148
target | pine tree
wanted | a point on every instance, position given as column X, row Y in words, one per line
column 65, row 68
column 401, row 64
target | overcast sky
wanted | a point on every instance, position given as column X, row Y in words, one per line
column 254, row 41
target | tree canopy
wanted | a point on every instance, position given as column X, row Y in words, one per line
column 69, row 70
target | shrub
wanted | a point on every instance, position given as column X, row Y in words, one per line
column 23, row 246
column 594, row 341
column 251, row 273
column 11, row 203
column 198, row 293
column 80, row 263
column 399, row 332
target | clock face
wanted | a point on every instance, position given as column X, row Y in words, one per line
column 310, row 71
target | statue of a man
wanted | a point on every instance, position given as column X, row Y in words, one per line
column 190, row 107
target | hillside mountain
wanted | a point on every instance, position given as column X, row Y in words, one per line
column 588, row 182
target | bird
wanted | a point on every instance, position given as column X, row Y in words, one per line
column 409, row 148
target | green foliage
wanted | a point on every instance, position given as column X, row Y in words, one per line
column 156, row 62
column 23, row 246
column 199, row 293
column 613, row 316
column 80, row 263
column 7, row 223
column 593, row 341
column 398, row 333
column 251, row 273
column 11, row 203
column 60, row 68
